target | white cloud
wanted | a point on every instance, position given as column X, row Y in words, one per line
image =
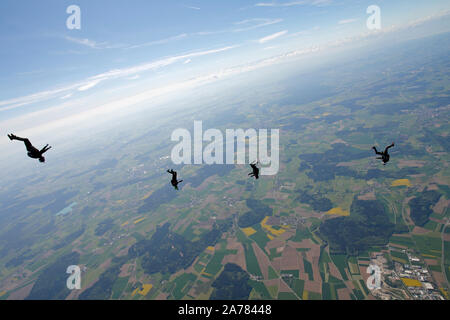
column 272, row 36
column 67, row 96
column 161, row 41
column 117, row 73
column 95, row 80
column 133, row 71
column 240, row 26
column 192, row 7
column 70, row 113
column 135, row 77
column 93, row 44
column 346, row 21
column 89, row 85
column 250, row 24
column 36, row 97
column 84, row 42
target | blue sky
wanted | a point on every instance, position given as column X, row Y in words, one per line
column 125, row 43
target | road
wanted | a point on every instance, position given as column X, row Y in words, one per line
column 443, row 252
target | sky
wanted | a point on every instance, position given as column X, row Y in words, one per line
column 130, row 52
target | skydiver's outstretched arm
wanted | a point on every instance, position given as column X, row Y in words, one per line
column 45, row 149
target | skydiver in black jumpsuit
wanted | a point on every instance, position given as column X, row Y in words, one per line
column 255, row 172
column 384, row 155
column 32, row 151
column 174, row 180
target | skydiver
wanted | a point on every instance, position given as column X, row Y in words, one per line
column 255, row 172
column 174, row 180
column 32, row 151
column 384, row 155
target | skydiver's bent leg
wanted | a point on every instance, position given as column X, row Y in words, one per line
column 387, row 148
column 27, row 142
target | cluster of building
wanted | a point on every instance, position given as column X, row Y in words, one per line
column 400, row 280
column 417, row 278
column 256, row 278
column 291, row 220
column 115, row 238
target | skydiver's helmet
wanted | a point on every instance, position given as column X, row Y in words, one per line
column 42, row 159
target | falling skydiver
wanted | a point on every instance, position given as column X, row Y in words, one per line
column 32, row 151
column 255, row 172
column 174, row 180
column 384, row 155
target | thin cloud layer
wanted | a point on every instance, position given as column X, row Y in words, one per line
column 347, row 21
column 272, row 36
column 112, row 74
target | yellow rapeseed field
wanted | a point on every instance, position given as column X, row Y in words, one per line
column 147, row 195
column 144, row 291
column 139, row 220
column 273, row 231
column 338, row 211
column 411, row 282
column 401, row 182
column 305, row 295
column 249, row 231
column 445, row 292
